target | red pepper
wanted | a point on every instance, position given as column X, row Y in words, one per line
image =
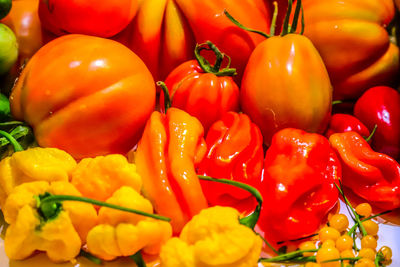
column 300, row 170
column 371, row 175
column 340, row 123
column 381, row 106
column 235, row 152
column 204, row 91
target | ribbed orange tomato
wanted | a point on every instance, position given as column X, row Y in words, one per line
column 87, row 95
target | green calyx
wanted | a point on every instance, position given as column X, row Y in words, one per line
column 287, row 27
column 216, row 68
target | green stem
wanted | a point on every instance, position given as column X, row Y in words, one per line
column 343, row 259
column 356, row 216
column 237, row 23
column 372, row 133
column 285, row 27
column 288, row 256
column 250, row 220
column 354, row 227
column 296, row 16
column 167, row 97
column 17, row 147
column 90, row 257
column 219, row 57
column 274, row 17
column 10, row 123
column 268, row 244
column 58, row 198
column 138, row 259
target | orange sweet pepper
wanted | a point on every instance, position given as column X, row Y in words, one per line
column 171, row 145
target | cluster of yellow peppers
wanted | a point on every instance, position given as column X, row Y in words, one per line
column 214, row 237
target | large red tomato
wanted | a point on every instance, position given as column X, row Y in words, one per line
column 86, row 95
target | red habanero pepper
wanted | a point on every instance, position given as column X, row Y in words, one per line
column 204, row 91
column 235, row 152
column 380, row 105
column 340, row 123
column 371, row 175
column 300, row 172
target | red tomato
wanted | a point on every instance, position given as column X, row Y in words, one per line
column 86, row 95
column 99, row 18
column 204, row 91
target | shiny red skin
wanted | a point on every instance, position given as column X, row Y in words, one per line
column 340, row 123
column 203, row 95
column 234, row 152
column 300, row 170
column 380, row 105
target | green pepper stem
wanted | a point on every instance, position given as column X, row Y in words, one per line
column 138, row 259
column 288, row 256
column 372, row 133
column 167, row 97
column 17, row 147
column 59, row 198
column 356, row 216
column 206, row 66
column 250, row 220
column 90, row 257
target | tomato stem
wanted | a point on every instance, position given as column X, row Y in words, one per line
column 167, row 97
column 274, row 16
column 207, row 67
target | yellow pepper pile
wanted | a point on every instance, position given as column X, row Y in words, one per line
column 215, row 238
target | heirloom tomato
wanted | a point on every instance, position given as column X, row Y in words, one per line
column 86, row 95
column 99, row 18
column 285, row 84
column 351, row 37
column 164, row 32
column 203, row 90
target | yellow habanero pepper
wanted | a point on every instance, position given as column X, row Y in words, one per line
column 215, row 238
column 98, row 178
column 123, row 234
column 34, row 164
column 60, row 235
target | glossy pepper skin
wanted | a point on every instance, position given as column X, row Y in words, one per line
column 60, row 237
column 98, row 178
column 214, row 237
column 286, row 84
column 171, row 145
column 123, row 234
column 77, row 92
column 351, row 37
column 103, row 19
column 300, row 170
column 34, row 164
column 371, row 175
column 203, row 90
column 341, row 122
column 381, row 106
column 235, row 152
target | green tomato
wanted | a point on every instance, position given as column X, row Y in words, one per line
column 5, row 7
column 8, row 48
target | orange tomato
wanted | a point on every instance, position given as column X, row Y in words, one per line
column 351, row 37
column 286, row 84
column 99, row 18
column 86, row 95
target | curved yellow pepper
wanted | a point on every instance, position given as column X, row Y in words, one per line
column 100, row 177
column 123, row 234
column 60, row 237
column 34, row 164
column 215, row 238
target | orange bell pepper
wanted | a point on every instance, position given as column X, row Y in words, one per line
column 166, row 155
column 351, row 37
